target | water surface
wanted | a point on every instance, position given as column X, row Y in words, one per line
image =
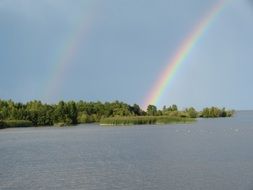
column 211, row 154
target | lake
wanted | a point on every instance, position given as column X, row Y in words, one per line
column 211, row 154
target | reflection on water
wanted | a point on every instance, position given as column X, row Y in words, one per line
column 209, row 154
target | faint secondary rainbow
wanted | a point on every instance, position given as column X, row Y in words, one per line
column 63, row 64
column 68, row 50
column 181, row 54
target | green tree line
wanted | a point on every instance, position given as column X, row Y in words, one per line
column 71, row 112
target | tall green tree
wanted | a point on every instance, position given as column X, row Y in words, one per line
column 152, row 110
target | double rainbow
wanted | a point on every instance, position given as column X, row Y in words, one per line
column 184, row 50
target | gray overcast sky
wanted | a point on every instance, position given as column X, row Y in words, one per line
column 120, row 48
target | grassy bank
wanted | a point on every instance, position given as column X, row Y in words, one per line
column 15, row 123
column 144, row 120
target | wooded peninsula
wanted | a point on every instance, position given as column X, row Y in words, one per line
column 36, row 113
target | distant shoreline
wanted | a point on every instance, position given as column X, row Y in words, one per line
column 35, row 113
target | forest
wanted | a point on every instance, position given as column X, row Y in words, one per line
column 36, row 113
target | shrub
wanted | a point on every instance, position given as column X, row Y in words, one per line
column 15, row 123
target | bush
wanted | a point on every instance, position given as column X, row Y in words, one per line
column 192, row 112
column 15, row 123
column 85, row 118
column 1, row 124
column 215, row 112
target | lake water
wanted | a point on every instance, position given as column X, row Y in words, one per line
column 211, row 154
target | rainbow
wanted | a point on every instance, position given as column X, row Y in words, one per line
column 181, row 54
column 59, row 72
column 67, row 51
